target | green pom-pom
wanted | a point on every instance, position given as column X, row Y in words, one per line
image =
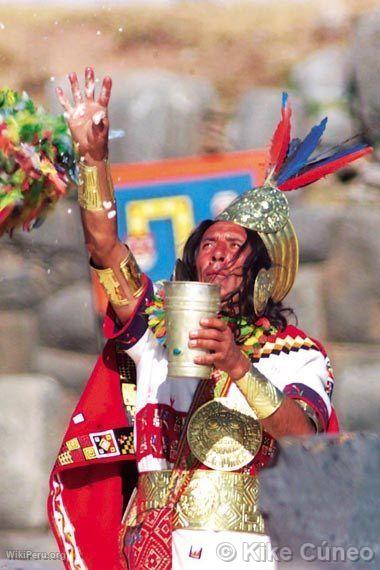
column 37, row 160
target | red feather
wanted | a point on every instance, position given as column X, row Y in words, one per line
column 318, row 172
column 280, row 140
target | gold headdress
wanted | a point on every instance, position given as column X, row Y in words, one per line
column 265, row 209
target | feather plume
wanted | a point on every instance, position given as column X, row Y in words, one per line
column 293, row 147
column 298, row 160
column 281, row 138
column 316, row 170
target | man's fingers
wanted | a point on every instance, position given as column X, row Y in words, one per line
column 89, row 85
column 63, row 100
column 207, row 333
column 105, row 91
column 75, row 89
column 214, row 323
column 205, row 344
column 207, row 359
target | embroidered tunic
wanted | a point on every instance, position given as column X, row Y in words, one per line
column 292, row 361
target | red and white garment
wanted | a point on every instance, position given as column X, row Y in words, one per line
column 292, row 361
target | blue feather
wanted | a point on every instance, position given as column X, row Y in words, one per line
column 299, row 158
column 293, row 146
column 339, row 154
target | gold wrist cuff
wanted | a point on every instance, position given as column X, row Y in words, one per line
column 89, row 194
column 132, row 274
column 263, row 397
column 311, row 414
column 111, row 286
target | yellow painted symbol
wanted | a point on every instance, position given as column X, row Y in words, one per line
column 178, row 209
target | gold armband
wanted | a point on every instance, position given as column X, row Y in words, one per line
column 263, row 397
column 132, row 274
column 89, row 194
column 311, row 414
column 111, row 285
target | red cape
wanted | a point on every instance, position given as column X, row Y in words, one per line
column 86, row 498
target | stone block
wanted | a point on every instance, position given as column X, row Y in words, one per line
column 62, row 230
column 316, row 227
column 159, row 112
column 351, row 286
column 321, row 80
column 34, row 411
column 71, row 369
column 23, row 283
column 327, row 489
column 18, row 341
column 366, row 68
column 256, row 117
column 307, row 301
column 67, row 319
column 34, row 541
column 356, row 392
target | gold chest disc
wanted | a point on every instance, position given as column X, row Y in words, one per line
column 224, row 436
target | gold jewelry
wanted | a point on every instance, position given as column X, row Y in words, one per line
column 111, row 286
column 89, row 193
column 224, row 436
column 262, row 290
column 132, row 274
column 263, row 397
column 311, row 414
column 215, row 500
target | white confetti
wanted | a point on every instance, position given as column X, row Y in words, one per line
column 111, row 214
column 79, row 111
column 121, row 30
column 98, row 117
column 98, row 33
column 69, row 211
column 2, row 26
column 52, row 78
column 107, row 205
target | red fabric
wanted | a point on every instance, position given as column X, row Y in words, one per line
column 149, row 545
column 92, row 493
column 333, row 425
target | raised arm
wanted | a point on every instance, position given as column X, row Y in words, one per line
column 110, row 259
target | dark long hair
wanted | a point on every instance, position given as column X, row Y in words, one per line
column 239, row 301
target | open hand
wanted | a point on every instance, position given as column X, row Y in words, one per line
column 87, row 118
column 216, row 336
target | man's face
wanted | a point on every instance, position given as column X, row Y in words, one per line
column 219, row 258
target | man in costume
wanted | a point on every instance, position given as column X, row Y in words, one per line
column 138, row 442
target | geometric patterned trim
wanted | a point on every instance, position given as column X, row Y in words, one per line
column 127, row 372
column 64, row 527
column 286, row 345
column 97, row 445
